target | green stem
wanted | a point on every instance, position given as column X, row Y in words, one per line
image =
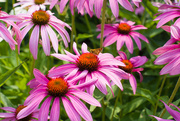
column 160, row 91
column 119, row 93
column 73, row 32
column 13, row 1
column 172, row 96
column 103, row 22
column 6, row 6
column 87, row 23
column 104, row 110
column 32, row 68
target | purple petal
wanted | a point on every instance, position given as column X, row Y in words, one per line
column 133, row 83
column 53, row 38
column 7, row 115
column 114, row 7
column 110, row 39
column 80, row 108
column 45, row 40
column 174, row 114
column 86, row 97
column 175, row 31
column 44, row 110
column 41, row 78
column 70, row 110
column 126, row 4
column 33, row 42
column 55, row 110
column 10, row 109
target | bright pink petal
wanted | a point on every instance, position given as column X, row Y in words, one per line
column 70, row 110
column 41, row 78
column 53, row 38
column 86, row 97
column 174, row 114
column 175, row 31
column 44, row 110
column 7, row 115
column 133, row 83
column 80, row 108
column 10, row 109
column 129, row 43
column 33, row 42
column 110, row 39
column 126, row 4
column 55, row 110
column 45, row 40
column 114, row 7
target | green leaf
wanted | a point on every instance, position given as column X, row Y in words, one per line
column 5, row 101
column 6, row 75
column 132, row 105
column 83, row 36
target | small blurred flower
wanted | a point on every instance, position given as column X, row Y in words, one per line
column 88, row 65
column 14, row 115
column 60, row 89
column 4, row 33
column 33, row 5
column 131, row 66
column 122, row 33
column 113, row 5
column 173, row 113
column 42, row 23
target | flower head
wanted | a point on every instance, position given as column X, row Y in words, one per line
column 42, row 23
column 13, row 116
column 33, row 4
column 58, row 89
column 4, row 33
column 88, row 65
column 173, row 113
column 113, row 5
column 131, row 66
column 122, row 33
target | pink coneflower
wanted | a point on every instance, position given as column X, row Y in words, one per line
column 32, row 4
column 169, row 54
column 42, row 23
column 81, row 5
column 4, row 33
column 174, row 30
column 113, row 5
column 56, row 90
column 122, row 33
column 173, row 113
column 88, row 65
column 169, row 12
column 131, row 66
column 13, row 116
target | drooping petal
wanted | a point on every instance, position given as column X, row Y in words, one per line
column 80, row 108
column 70, row 110
column 45, row 40
column 44, row 110
column 86, row 97
column 41, row 78
column 133, row 83
column 33, row 42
